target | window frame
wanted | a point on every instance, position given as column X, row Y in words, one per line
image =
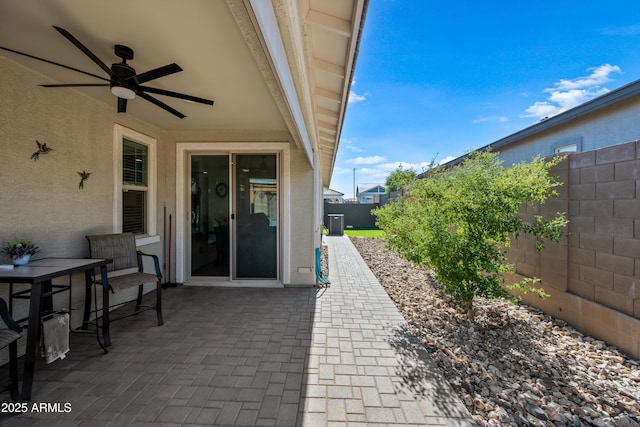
column 562, row 146
column 568, row 148
column 121, row 133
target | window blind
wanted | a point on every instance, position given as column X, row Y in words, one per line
column 134, row 212
column 134, row 163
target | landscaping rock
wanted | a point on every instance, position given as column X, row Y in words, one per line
column 514, row 365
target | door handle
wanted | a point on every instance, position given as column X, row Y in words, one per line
column 233, row 216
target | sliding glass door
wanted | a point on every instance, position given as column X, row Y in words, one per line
column 210, row 215
column 256, row 212
column 234, row 216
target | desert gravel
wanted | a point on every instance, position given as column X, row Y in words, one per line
column 512, row 365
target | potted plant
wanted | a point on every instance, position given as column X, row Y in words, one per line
column 20, row 251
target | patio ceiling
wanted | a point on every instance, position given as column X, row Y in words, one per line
column 215, row 44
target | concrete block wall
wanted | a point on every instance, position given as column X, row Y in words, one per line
column 593, row 275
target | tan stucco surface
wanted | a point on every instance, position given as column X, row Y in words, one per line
column 43, row 202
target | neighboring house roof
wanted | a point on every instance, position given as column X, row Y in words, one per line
column 333, row 193
column 605, row 101
column 373, row 188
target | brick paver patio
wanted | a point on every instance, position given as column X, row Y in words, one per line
column 336, row 356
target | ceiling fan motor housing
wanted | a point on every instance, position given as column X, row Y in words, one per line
column 123, row 71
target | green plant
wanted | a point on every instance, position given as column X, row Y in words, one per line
column 374, row 234
column 19, row 248
column 399, row 178
column 459, row 221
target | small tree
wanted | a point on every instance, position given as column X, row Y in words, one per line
column 399, row 178
column 459, row 222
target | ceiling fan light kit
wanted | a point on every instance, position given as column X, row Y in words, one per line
column 123, row 92
column 122, row 78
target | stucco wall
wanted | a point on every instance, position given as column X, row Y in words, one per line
column 593, row 275
column 40, row 200
column 614, row 124
column 302, row 220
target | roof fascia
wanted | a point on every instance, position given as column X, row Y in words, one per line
column 268, row 25
column 360, row 12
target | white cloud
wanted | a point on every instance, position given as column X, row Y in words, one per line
column 342, row 179
column 628, row 31
column 540, row 110
column 379, row 172
column 569, row 93
column 349, row 145
column 353, row 148
column 371, row 172
column 342, row 171
column 499, row 119
column 371, row 160
column 354, row 97
column 446, row 160
column 599, row 75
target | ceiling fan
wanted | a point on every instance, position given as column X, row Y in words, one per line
column 122, row 78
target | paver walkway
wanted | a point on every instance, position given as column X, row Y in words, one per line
column 339, row 356
column 365, row 365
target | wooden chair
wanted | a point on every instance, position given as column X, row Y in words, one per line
column 9, row 337
column 126, row 271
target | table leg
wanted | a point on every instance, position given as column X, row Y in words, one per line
column 106, row 334
column 47, row 299
column 88, row 284
column 33, row 333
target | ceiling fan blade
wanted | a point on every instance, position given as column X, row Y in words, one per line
column 54, row 63
column 161, row 104
column 156, row 73
column 122, row 105
column 78, row 85
column 175, row 95
column 86, row 51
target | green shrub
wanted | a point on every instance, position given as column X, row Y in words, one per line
column 399, row 178
column 459, row 221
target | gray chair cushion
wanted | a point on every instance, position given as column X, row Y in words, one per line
column 130, row 280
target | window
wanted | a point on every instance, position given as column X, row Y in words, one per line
column 567, row 145
column 135, row 184
column 566, row 148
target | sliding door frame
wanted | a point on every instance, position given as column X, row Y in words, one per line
column 184, row 150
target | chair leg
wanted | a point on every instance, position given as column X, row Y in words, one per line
column 11, row 298
column 105, row 318
column 139, row 300
column 159, row 303
column 13, row 371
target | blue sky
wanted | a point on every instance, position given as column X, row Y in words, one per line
column 434, row 80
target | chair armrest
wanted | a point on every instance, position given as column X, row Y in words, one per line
column 6, row 317
column 156, row 263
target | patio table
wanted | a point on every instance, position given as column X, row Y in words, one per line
column 39, row 274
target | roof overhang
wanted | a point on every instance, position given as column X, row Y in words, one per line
column 276, row 67
column 321, row 38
